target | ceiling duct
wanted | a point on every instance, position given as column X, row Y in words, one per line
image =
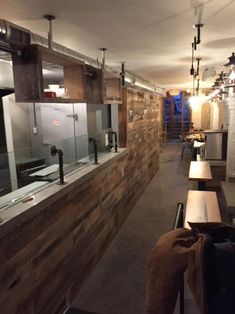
column 15, row 36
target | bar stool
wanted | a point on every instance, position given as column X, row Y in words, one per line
column 185, row 147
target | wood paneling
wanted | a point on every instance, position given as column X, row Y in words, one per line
column 206, row 113
column 45, row 260
column 28, row 75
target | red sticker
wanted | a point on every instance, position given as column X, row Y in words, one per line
column 56, row 122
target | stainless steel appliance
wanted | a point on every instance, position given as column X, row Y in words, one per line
column 216, row 145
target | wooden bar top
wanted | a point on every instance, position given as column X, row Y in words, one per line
column 202, row 206
column 200, row 171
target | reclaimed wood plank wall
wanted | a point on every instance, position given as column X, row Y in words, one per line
column 46, row 259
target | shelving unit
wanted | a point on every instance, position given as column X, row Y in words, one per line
column 93, row 78
column 111, row 88
column 102, row 87
column 28, row 75
column 82, row 83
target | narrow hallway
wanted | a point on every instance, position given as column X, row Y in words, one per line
column 118, row 283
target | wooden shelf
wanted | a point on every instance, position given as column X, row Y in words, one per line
column 59, row 100
column 94, row 85
column 102, row 87
column 112, row 88
column 28, row 75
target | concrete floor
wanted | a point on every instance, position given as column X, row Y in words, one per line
column 118, row 283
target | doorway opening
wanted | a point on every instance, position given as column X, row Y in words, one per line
column 177, row 116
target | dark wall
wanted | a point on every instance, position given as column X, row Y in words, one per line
column 3, row 145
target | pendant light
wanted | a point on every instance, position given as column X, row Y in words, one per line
column 192, row 68
column 231, row 62
column 198, row 27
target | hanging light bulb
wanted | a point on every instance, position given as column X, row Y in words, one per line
column 196, row 101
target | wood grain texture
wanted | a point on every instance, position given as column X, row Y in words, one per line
column 27, row 73
column 202, row 206
column 93, row 84
column 46, row 259
column 74, row 81
column 199, row 171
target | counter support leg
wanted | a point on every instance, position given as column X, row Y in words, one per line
column 201, row 186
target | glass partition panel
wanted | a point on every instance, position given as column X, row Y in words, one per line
column 27, row 171
column 31, row 131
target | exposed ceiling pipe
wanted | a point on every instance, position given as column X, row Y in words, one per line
column 32, row 38
column 103, row 51
column 123, row 73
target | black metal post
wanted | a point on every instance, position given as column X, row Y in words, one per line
column 61, row 163
column 123, row 74
column 179, row 223
column 93, row 140
column 55, row 151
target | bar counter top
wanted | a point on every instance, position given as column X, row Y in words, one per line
column 27, row 208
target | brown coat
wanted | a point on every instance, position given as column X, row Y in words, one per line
column 174, row 252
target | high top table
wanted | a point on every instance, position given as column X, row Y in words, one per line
column 201, row 206
column 200, row 171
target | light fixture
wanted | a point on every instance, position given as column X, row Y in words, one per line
column 198, row 63
column 3, row 28
column 198, row 27
column 231, row 62
column 192, row 68
column 195, row 101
